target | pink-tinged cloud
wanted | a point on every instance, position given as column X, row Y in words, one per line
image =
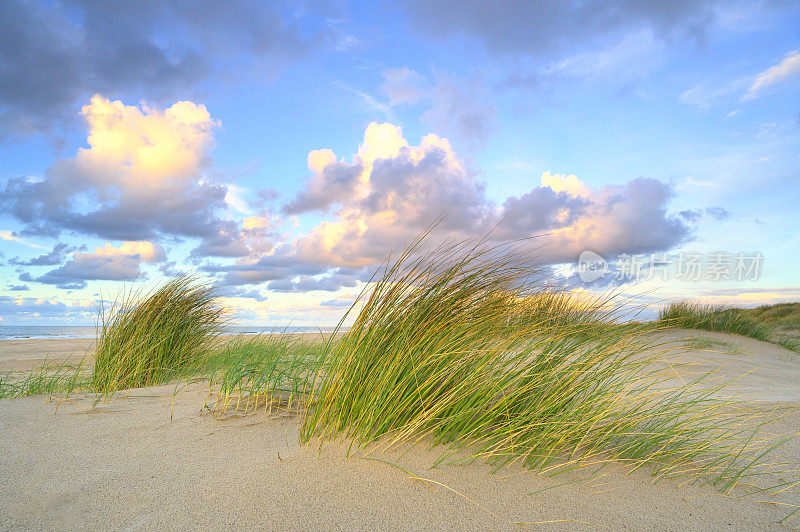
column 143, row 176
column 390, row 191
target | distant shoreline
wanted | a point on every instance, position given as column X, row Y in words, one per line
column 86, row 332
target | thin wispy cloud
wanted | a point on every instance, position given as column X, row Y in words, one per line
column 788, row 68
column 370, row 102
column 451, row 105
column 13, row 237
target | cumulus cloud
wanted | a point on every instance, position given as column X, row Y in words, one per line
column 54, row 55
column 331, row 182
column 104, row 263
column 787, row 68
column 142, row 176
column 255, row 235
column 393, row 190
column 407, row 187
column 629, row 218
column 401, row 189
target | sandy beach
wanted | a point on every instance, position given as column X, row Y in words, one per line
column 151, row 458
column 25, row 355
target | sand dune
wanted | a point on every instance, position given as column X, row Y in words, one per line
column 152, row 459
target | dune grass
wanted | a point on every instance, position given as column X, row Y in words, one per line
column 717, row 318
column 466, row 346
column 469, row 347
column 151, row 338
column 707, row 344
column 47, row 379
column 781, row 315
column 175, row 332
column 262, row 370
column 769, row 323
column 243, row 371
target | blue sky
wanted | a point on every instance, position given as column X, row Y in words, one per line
column 282, row 150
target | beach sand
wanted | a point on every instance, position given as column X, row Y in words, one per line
column 151, row 458
column 25, row 355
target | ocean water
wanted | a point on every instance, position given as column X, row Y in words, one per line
column 37, row 332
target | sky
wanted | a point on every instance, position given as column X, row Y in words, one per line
column 281, row 151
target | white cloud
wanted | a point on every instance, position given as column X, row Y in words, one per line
column 392, row 190
column 145, row 251
column 631, row 58
column 704, row 95
column 788, row 67
column 389, row 191
column 142, row 177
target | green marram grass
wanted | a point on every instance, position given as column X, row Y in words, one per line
column 469, row 347
column 248, row 372
column 466, row 346
column 152, row 338
column 47, row 379
column 769, row 323
column 780, row 315
column 175, row 332
column 718, row 318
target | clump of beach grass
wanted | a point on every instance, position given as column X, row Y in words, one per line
column 47, row 379
column 150, row 338
column 469, row 346
column 780, row 315
column 707, row 344
column 769, row 323
column 710, row 317
column 262, row 370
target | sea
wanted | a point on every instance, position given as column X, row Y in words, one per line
column 40, row 332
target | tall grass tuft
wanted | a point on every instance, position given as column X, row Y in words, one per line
column 48, row 379
column 262, row 370
column 781, row 315
column 467, row 346
column 151, row 338
column 718, row 318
